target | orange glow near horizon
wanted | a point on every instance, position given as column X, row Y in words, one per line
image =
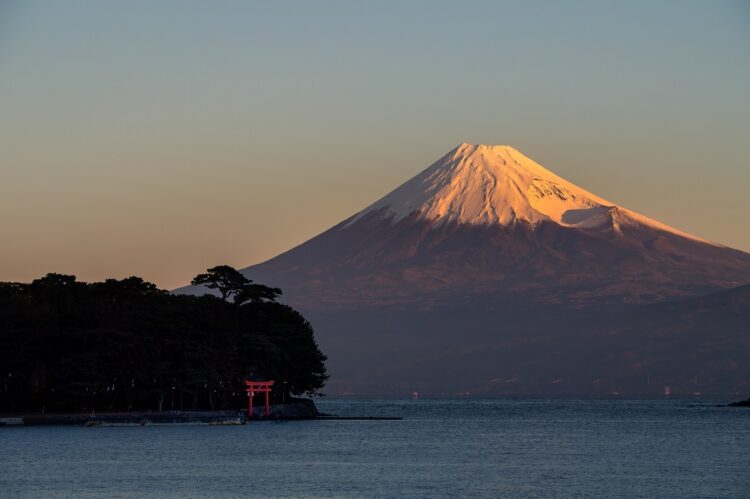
column 139, row 139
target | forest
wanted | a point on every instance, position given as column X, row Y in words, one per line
column 126, row 345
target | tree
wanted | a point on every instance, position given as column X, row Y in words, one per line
column 227, row 280
column 277, row 343
column 255, row 293
column 69, row 346
column 53, row 279
column 230, row 282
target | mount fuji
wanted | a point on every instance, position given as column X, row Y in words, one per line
column 485, row 224
column 488, row 274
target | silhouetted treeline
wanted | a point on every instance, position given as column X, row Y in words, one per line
column 123, row 345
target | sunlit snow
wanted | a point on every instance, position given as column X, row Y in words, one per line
column 496, row 184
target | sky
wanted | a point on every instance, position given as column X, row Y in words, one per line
column 159, row 138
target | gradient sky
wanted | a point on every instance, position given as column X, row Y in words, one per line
column 160, row 138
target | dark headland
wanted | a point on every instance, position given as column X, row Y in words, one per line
column 124, row 351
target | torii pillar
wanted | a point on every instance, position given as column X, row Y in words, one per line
column 251, row 387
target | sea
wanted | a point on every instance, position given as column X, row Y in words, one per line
column 441, row 448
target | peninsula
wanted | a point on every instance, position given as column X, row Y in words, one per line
column 125, row 346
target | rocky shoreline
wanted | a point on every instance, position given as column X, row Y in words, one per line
column 295, row 409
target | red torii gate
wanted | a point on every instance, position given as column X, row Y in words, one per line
column 251, row 387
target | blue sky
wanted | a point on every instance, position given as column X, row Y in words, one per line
column 158, row 138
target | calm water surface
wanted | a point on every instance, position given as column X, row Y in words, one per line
column 467, row 448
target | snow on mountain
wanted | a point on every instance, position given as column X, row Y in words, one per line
column 487, row 273
column 485, row 224
column 496, row 184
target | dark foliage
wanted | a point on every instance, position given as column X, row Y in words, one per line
column 123, row 345
column 228, row 281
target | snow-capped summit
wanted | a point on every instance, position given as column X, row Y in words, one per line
column 496, row 184
column 486, row 184
column 487, row 225
column 488, row 273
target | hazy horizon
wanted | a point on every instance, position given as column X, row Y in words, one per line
column 160, row 139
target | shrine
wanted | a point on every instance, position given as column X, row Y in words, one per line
column 253, row 387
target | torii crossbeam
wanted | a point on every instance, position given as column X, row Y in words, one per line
column 252, row 387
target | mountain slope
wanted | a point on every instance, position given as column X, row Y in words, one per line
column 488, row 184
column 694, row 346
column 488, row 273
column 486, row 224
